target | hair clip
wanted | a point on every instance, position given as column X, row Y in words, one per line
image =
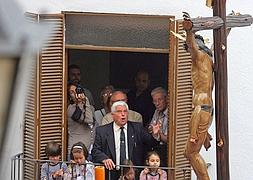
column 77, row 147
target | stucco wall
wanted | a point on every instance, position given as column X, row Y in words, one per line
column 240, row 68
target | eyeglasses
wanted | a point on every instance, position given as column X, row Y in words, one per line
column 107, row 94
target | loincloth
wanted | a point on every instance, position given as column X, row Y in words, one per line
column 207, row 108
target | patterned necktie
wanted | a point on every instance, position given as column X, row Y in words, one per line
column 122, row 145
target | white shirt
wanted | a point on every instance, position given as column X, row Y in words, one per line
column 117, row 130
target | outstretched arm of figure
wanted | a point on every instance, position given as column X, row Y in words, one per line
column 190, row 35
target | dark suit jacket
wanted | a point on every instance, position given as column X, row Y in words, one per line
column 137, row 137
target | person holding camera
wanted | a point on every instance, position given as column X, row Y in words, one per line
column 80, row 117
column 74, row 76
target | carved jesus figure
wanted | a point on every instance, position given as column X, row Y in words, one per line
column 202, row 82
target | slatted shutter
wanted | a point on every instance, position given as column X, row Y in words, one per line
column 30, row 130
column 180, row 104
column 45, row 104
column 52, row 84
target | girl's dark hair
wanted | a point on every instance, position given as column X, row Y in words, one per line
column 129, row 163
column 150, row 153
column 78, row 147
column 53, row 149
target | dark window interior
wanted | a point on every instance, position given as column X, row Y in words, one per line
column 100, row 68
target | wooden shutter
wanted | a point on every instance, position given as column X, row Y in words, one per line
column 30, row 130
column 45, row 104
column 180, row 86
column 52, row 83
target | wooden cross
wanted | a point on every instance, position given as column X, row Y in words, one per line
column 219, row 23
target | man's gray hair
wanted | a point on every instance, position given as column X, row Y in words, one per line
column 118, row 103
column 159, row 90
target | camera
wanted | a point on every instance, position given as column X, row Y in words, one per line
column 79, row 89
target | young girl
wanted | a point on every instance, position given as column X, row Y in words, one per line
column 53, row 170
column 128, row 172
column 80, row 169
column 153, row 172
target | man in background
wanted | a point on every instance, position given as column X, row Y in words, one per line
column 121, row 96
column 139, row 98
column 74, row 77
column 160, row 117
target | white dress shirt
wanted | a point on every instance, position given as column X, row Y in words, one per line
column 117, row 131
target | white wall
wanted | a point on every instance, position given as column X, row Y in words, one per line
column 240, row 68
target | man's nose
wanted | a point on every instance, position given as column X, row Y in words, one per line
column 157, row 103
column 54, row 158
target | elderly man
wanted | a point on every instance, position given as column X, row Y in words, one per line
column 120, row 96
column 121, row 139
column 160, row 117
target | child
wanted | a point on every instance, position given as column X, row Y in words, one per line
column 153, row 172
column 80, row 168
column 53, row 170
column 128, row 172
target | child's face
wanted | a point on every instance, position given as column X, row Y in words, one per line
column 154, row 161
column 54, row 159
column 79, row 157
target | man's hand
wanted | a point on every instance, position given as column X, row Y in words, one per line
column 156, row 128
column 109, row 164
column 187, row 23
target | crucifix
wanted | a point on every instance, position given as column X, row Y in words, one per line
column 221, row 24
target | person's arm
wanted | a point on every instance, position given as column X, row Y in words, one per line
column 88, row 112
column 97, row 152
column 90, row 97
column 190, row 36
column 139, row 117
column 163, row 137
column 150, row 139
column 65, row 168
column 143, row 175
column 163, row 174
column 107, row 119
column 44, row 170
